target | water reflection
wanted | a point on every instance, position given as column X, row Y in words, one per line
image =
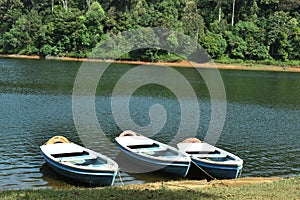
column 262, row 123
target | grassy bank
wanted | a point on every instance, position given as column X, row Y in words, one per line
column 244, row 188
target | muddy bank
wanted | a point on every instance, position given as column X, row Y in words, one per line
column 173, row 64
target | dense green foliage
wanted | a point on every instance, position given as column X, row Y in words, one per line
column 258, row 30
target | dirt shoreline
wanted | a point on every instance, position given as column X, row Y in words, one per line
column 258, row 188
column 196, row 184
column 184, row 63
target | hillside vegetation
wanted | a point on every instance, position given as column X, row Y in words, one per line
column 237, row 30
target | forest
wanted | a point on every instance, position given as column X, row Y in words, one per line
column 237, row 30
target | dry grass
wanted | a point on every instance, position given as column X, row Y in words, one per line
column 198, row 184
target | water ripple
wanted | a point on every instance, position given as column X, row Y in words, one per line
column 262, row 123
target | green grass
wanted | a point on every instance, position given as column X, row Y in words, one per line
column 284, row 189
column 226, row 60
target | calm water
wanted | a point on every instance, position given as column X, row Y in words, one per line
column 262, row 122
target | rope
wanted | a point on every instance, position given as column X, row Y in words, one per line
column 205, row 172
column 119, row 174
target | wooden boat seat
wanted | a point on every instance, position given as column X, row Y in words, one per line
column 147, row 148
column 142, row 146
column 204, row 152
column 211, row 156
column 219, row 156
column 76, row 158
column 92, row 162
column 157, row 152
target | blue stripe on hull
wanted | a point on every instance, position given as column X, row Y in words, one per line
column 219, row 171
column 176, row 170
column 84, row 176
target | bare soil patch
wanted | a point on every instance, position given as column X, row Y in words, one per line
column 196, row 184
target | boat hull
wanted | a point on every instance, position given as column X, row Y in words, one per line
column 211, row 161
column 88, row 177
column 142, row 164
column 217, row 171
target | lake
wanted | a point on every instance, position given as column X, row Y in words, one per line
column 262, row 123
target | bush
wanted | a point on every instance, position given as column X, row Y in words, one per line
column 29, row 50
column 227, row 60
column 236, row 46
column 170, row 57
column 77, row 54
column 214, row 44
column 46, row 50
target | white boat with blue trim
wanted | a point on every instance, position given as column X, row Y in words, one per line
column 213, row 161
column 79, row 163
column 149, row 155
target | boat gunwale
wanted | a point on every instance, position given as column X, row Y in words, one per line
column 76, row 170
column 237, row 161
column 111, row 165
column 217, row 166
column 181, row 157
column 151, row 159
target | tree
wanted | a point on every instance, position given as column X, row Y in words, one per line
column 172, row 41
column 281, row 29
column 65, row 4
column 259, row 28
column 220, row 10
column 214, row 44
column 141, row 13
column 167, row 14
column 294, row 39
column 22, row 37
column 10, row 11
column 246, row 11
column 232, row 15
column 280, row 47
column 192, row 21
column 52, row 6
column 60, row 29
column 236, row 46
column 95, row 14
column 289, row 5
column 94, row 19
column 254, row 38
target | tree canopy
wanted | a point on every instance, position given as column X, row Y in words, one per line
column 237, row 29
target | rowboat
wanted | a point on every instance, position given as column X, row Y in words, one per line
column 79, row 163
column 213, row 161
column 149, row 155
